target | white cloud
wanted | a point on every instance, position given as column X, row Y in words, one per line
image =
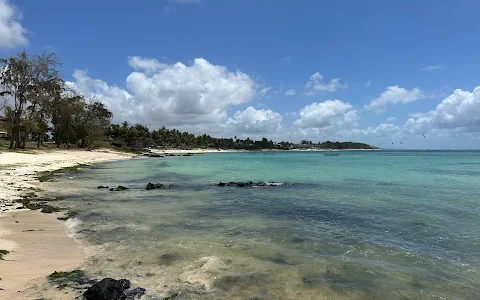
column 316, row 84
column 256, row 122
column 383, row 130
column 290, row 92
column 286, row 59
column 176, row 95
column 368, row 83
column 147, row 65
column 394, row 95
column 12, row 34
column 263, row 92
column 330, row 113
column 459, row 112
column 432, row 68
column 391, row 119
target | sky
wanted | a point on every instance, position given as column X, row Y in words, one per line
column 394, row 74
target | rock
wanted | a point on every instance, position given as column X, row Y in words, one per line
column 172, row 186
column 155, row 155
column 249, row 184
column 121, row 188
column 107, row 289
column 151, row 186
column 135, row 294
column 171, row 154
column 102, row 187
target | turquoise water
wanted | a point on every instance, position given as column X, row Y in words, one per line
column 361, row 225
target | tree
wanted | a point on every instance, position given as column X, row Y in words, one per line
column 97, row 120
column 24, row 79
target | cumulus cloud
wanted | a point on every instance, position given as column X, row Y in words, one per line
column 12, row 34
column 256, row 122
column 290, row 92
column 432, row 68
column 459, row 112
column 383, row 130
column 175, row 95
column 394, row 95
column 330, row 113
column 316, row 84
column 147, row 65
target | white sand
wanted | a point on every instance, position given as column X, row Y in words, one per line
column 18, row 170
column 38, row 253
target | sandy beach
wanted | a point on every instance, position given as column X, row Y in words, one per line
column 38, row 243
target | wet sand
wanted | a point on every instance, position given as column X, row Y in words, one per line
column 38, row 245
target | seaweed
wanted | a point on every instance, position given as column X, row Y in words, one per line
column 69, row 215
column 48, row 175
column 3, row 252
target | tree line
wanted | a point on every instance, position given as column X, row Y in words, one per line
column 39, row 105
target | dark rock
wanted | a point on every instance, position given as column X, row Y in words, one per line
column 120, row 188
column 136, row 293
column 111, row 189
column 171, row 154
column 172, row 186
column 248, row 184
column 102, row 187
column 151, row 186
column 107, row 289
column 155, row 155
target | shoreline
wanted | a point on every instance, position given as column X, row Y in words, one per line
column 38, row 243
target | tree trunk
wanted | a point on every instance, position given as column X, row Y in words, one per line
column 17, row 138
column 12, row 140
column 38, row 140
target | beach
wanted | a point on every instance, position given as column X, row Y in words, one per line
column 320, row 227
column 38, row 243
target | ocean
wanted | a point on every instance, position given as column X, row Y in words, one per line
column 360, row 225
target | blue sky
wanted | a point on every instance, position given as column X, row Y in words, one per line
column 382, row 72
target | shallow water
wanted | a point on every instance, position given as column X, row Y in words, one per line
column 361, row 225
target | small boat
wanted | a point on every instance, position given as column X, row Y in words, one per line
column 331, row 154
column 269, row 152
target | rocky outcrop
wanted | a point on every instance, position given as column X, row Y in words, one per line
column 153, row 186
column 111, row 289
column 102, row 187
column 119, row 188
column 249, row 184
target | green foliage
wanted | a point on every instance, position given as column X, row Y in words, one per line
column 138, row 136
